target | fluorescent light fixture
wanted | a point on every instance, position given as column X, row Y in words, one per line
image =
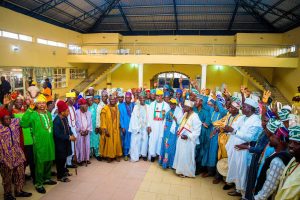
column 15, row 48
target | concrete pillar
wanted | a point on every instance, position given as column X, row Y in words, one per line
column 203, row 75
column 141, row 76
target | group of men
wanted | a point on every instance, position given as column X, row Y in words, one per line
column 191, row 131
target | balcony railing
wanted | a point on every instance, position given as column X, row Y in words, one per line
column 187, row 49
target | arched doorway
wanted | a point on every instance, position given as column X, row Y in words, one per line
column 171, row 78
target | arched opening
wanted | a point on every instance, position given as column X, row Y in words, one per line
column 171, row 78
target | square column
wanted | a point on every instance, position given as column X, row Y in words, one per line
column 141, row 75
column 203, row 75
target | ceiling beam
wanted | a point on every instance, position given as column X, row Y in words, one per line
column 25, row 11
column 255, row 14
column 45, row 7
column 111, row 4
column 272, row 7
column 286, row 14
column 124, row 17
column 234, row 14
column 175, row 14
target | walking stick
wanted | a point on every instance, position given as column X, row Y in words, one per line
column 75, row 158
column 84, row 147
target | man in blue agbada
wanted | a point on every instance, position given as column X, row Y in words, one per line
column 126, row 109
column 168, row 145
column 202, row 146
column 94, row 136
column 217, row 111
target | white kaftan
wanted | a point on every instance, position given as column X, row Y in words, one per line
column 156, row 123
column 139, row 136
column 246, row 129
column 184, row 161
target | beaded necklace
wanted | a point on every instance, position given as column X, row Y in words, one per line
column 73, row 120
column 45, row 121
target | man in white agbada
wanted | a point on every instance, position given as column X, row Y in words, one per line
column 188, row 134
column 138, row 128
column 71, row 99
column 246, row 129
column 156, row 116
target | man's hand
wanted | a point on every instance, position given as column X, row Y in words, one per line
column 106, row 133
column 242, row 147
column 149, row 130
column 72, row 138
column 214, row 132
column 228, row 129
column 266, row 96
column 205, row 125
column 7, row 99
column 97, row 130
column 123, row 130
column 184, row 137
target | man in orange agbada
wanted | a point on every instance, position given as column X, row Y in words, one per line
column 110, row 142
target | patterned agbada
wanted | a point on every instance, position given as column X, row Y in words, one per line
column 110, row 147
column 94, row 137
column 11, row 153
column 223, row 137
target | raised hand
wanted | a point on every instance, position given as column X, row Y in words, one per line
column 266, row 96
column 7, row 99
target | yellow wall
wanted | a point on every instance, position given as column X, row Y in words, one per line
column 126, row 76
column 287, row 80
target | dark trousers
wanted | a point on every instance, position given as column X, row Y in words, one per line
column 60, row 167
column 28, row 150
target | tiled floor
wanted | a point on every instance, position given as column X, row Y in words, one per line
column 127, row 181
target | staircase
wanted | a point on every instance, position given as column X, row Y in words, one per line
column 94, row 78
column 260, row 82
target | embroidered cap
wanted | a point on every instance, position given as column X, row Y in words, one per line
column 251, row 102
column 294, row 133
column 173, row 101
column 188, row 103
column 284, row 115
column 273, row 125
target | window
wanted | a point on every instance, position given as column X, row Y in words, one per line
column 10, row 35
column 51, row 43
column 59, row 78
column 25, row 38
column 41, row 41
column 78, row 73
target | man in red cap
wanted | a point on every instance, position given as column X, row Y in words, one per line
column 62, row 138
column 12, row 157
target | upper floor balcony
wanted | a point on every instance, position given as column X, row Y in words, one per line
column 187, row 53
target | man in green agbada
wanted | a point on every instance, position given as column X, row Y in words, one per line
column 39, row 120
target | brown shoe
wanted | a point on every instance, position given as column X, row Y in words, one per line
column 234, row 194
column 109, row 160
column 118, row 159
column 216, row 181
column 204, row 175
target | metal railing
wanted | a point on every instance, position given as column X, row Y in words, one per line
column 187, row 49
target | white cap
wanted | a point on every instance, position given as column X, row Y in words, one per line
column 287, row 107
column 188, row 103
column 251, row 102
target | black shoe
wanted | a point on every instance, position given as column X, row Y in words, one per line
column 23, row 194
column 145, row 158
column 9, row 196
column 50, row 182
column 99, row 158
column 152, row 159
column 227, row 187
column 27, row 177
column 40, row 190
column 53, row 174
